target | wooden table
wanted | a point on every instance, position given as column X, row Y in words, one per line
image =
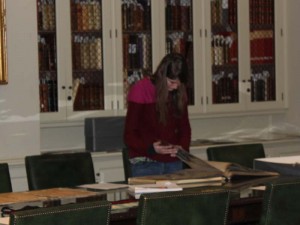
column 46, row 197
column 241, row 210
column 245, row 207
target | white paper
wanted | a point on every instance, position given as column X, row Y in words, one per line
column 4, row 220
column 287, row 159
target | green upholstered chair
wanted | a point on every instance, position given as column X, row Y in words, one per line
column 91, row 213
column 243, row 154
column 5, row 180
column 59, row 170
column 281, row 202
column 188, row 208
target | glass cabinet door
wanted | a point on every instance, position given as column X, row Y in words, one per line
column 47, row 56
column 179, row 36
column 136, row 41
column 262, row 51
column 87, row 55
column 224, row 52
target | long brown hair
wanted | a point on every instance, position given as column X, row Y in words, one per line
column 172, row 66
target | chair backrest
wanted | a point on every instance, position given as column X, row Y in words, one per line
column 281, row 203
column 188, row 208
column 242, row 154
column 92, row 213
column 59, row 170
column 5, row 180
column 126, row 164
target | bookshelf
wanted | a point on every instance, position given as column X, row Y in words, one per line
column 136, row 42
column 224, row 52
column 92, row 51
column 47, row 56
column 179, row 36
column 87, row 55
column 262, row 51
column 246, row 72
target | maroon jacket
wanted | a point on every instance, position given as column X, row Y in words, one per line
column 142, row 127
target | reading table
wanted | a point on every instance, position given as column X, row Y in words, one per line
column 245, row 206
column 245, row 210
column 46, row 197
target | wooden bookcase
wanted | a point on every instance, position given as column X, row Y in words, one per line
column 92, row 51
column 47, row 56
column 245, row 56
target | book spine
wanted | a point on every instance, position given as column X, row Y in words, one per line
column 125, row 50
column 44, row 96
column 168, row 16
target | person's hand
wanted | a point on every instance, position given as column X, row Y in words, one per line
column 165, row 148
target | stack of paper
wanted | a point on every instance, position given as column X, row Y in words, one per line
column 4, row 220
column 103, row 186
column 190, row 183
column 137, row 190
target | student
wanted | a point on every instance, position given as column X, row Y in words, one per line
column 157, row 122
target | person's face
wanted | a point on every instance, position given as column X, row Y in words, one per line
column 173, row 84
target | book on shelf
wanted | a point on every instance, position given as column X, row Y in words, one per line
column 202, row 173
column 164, row 186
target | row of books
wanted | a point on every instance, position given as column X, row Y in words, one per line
column 223, row 14
column 48, row 95
column 262, row 46
column 46, row 15
column 87, row 52
column 86, row 15
column 225, row 88
column 136, row 15
column 232, row 12
column 47, row 52
column 88, row 96
column 261, row 11
column 137, row 51
column 179, row 44
column 224, row 48
column 179, row 15
column 263, row 86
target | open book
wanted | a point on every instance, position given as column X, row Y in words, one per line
column 229, row 170
column 183, row 178
column 202, row 173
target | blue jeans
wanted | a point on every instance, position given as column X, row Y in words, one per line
column 155, row 168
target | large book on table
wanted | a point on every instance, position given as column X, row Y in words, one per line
column 184, row 178
column 227, row 169
column 203, row 173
